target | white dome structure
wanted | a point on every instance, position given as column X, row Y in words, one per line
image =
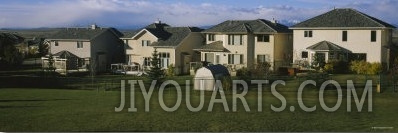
column 205, row 77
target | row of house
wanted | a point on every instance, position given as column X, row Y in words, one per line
column 344, row 34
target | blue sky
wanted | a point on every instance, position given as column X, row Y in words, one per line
column 136, row 13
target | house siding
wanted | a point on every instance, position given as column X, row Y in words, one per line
column 358, row 41
column 71, row 46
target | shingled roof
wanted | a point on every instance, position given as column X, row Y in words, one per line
column 248, row 26
column 168, row 36
column 327, row 46
column 343, row 18
column 213, row 47
column 171, row 36
column 83, row 33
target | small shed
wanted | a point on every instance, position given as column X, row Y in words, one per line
column 205, row 77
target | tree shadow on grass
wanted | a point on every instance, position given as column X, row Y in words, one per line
column 33, row 100
column 7, row 107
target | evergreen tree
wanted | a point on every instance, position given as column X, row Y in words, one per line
column 156, row 72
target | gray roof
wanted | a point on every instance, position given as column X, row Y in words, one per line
column 65, row 54
column 129, row 34
column 13, row 38
column 216, row 46
column 158, row 25
column 345, row 17
column 171, row 36
column 83, row 33
column 327, row 46
column 248, row 26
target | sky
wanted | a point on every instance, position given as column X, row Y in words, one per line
column 131, row 14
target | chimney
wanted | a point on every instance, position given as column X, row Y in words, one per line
column 94, row 26
column 158, row 21
column 274, row 21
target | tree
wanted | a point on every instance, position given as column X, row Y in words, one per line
column 43, row 47
column 9, row 55
column 156, row 72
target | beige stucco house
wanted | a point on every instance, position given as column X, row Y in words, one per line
column 174, row 44
column 345, row 34
column 95, row 48
column 244, row 43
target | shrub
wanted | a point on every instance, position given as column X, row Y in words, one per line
column 336, row 67
column 243, row 74
column 262, row 69
column 374, row 68
column 170, row 71
column 363, row 67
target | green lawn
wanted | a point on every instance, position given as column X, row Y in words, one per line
column 32, row 109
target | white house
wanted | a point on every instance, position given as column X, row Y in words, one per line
column 345, row 34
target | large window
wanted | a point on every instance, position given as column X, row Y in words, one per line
column 357, row 56
column 373, row 36
column 211, row 37
column 164, row 59
column 235, row 59
column 145, row 43
column 263, row 58
column 344, row 36
column 262, row 38
column 209, row 57
column 304, row 54
column 79, row 44
column 235, row 39
column 147, row 61
column 308, row 33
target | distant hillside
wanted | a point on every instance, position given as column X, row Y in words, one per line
column 31, row 33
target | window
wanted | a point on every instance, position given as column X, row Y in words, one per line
column 164, row 59
column 308, row 33
column 79, row 44
column 145, row 43
column 235, row 40
column 344, row 37
column 235, row 59
column 373, row 36
column 357, row 56
column 210, row 37
column 56, row 43
column 262, row 38
column 147, row 61
column 304, row 54
column 263, row 58
column 209, row 57
column 217, row 59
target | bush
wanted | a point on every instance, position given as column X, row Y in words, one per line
column 243, row 74
column 336, row 67
column 170, row 71
column 363, row 67
column 262, row 69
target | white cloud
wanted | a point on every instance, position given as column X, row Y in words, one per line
column 127, row 12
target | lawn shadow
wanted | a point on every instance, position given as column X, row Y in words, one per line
column 34, row 100
column 7, row 107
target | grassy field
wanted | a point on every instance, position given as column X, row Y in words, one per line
column 33, row 109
